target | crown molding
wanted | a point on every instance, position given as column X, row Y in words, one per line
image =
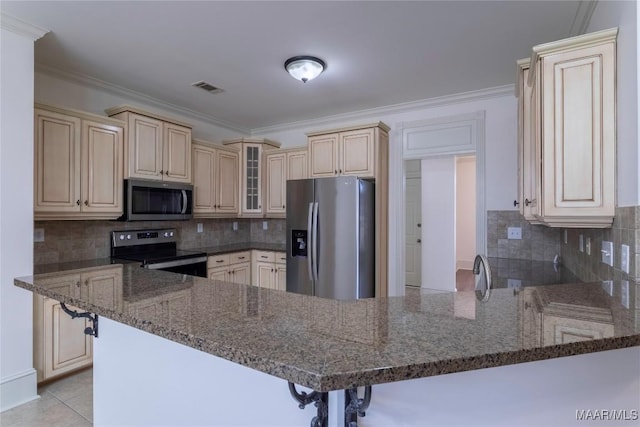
column 17, row 26
column 583, row 17
column 137, row 96
column 441, row 101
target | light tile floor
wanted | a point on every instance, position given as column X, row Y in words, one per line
column 67, row 402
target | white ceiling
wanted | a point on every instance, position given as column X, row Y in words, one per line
column 377, row 53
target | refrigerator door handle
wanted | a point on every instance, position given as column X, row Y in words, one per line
column 310, row 239
column 315, row 243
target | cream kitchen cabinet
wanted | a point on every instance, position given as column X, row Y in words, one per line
column 156, row 147
column 281, row 166
column 572, row 119
column 250, row 193
column 233, row 267
column 78, row 160
column 351, row 152
column 215, row 180
column 362, row 151
column 269, row 269
column 60, row 344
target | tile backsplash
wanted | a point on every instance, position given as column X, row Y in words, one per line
column 589, row 267
column 80, row 240
column 538, row 243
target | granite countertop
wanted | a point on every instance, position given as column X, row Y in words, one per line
column 329, row 345
column 237, row 247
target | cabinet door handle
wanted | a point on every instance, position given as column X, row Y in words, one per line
column 166, row 173
column 335, row 172
column 515, row 203
column 340, row 170
column 272, row 270
column 528, row 202
column 86, row 203
column 220, row 260
column 78, row 202
column 241, row 257
column 419, row 240
column 78, row 284
column 263, row 257
column 282, row 206
column 86, row 282
column 161, row 172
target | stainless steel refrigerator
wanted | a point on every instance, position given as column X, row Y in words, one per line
column 330, row 237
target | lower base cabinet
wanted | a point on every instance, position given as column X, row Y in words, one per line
column 234, row 267
column 269, row 269
column 60, row 345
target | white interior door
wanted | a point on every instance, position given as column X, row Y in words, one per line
column 413, row 237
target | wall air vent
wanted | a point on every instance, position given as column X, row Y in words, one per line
column 206, row 86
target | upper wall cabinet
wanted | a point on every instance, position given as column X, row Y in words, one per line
column 215, row 180
column 78, row 164
column 347, row 152
column 567, row 131
column 155, row 147
column 280, row 166
column 251, row 172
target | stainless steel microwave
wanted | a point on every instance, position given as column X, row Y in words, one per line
column 146, row 200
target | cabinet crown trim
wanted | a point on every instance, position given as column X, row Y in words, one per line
column 264, row 141
column 80, row 114
column 578, row 42
column 208, row 144
column 127, row 108
column 380, row 125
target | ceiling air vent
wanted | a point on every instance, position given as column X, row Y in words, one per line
column 208, row 87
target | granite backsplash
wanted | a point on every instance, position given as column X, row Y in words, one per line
column 81, row 240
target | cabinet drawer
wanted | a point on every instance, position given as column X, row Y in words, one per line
column 281, row 257
column 264, row 256
column 238, row 257
column 218, row 260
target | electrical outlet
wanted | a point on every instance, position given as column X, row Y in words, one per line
column 624, row 259
column 265, row 225
column 200, row 228
column 588, row 246
column 581, row 243
column 235, row 226
column 607, row 253
column 514, row 233
column 38, row 234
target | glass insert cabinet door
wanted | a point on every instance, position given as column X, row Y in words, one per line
column 252, row 202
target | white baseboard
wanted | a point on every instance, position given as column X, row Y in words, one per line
column 463, row 264
column 18, row 389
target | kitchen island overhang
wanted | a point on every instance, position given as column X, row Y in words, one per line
column 328, row 345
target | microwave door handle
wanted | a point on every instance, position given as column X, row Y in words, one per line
column 184, row 202
column 309, row 240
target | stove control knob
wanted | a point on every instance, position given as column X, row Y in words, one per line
column 166, row 234
column 128, row 236
column 122, row 237
column 171, row 234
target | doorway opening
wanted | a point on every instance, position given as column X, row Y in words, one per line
column 440, row 222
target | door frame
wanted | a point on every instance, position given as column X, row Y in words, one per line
column 449, row 135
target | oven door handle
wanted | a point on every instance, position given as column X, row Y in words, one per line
column 184, row 202
column 175, row 263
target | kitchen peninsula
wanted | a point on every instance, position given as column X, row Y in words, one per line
column 178, row 370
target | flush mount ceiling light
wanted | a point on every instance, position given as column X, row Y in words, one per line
column 304, row 68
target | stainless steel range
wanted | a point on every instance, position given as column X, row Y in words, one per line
column 156, row 249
